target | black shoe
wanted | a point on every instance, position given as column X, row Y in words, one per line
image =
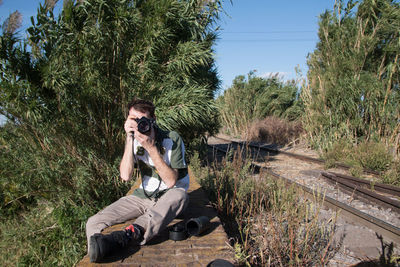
column 135, row 232
column 94, row 249
column 101, row 246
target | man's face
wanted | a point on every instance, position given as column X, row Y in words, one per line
column 136, row 114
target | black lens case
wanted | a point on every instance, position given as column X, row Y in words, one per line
column 177, row 232
column 193, row 227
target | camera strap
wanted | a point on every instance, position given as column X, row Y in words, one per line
column 156, row 193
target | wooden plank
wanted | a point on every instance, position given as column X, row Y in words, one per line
column 160, row 251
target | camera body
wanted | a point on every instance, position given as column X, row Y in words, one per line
column 144, row 124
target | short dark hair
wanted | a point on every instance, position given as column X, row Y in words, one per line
column 142, row 106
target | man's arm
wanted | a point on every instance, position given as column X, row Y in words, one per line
column 126, row 166
column 166, row 173
column 127, row 162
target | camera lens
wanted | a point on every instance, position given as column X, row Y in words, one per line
column 144, row 125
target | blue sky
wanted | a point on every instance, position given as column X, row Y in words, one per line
column 267, row 36
column 262, row 35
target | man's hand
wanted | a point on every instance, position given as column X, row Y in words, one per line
column 130, row 125
column 146, row 141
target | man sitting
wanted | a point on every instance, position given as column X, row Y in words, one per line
column 160, row 158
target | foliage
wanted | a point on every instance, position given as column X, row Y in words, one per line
column 67, row 184
column 353, row 89
column 373, row 156
column 255, row 98
column 64, row 90
column 270, row 222
column 36, row 238
column 370, row 155
column 392, row 175
column 275, row 130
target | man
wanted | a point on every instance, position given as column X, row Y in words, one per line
column 160, row 158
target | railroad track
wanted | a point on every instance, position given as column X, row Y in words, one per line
column 363, row 189
column 269, row 148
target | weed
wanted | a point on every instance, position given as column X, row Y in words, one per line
column 271, row 223
column 337, row 151
column 240, row 255
column 329, row 163
column 392, row 175
column 366, row 155
column 373, row 155
column 356, row 171
column 36, row 238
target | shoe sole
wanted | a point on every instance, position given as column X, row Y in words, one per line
column 94, row 249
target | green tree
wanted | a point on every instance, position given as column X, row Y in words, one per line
column 255, row 98
column 354, row 74
column 64, row 91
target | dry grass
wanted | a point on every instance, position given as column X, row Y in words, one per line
column 274, row 130
column 269, row 223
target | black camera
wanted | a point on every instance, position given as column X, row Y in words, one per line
column 144, row 124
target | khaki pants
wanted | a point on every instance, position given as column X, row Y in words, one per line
column 153, row 216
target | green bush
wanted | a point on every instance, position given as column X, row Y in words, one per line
column 36, row 238
column 353, row 76
column 64, row 91
column 255, row 98
column 338, row 151
column 369, row 155
column 392, row 175
column 373, row 156
column 342, row 151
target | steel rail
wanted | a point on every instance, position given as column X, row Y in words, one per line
column 293, row 155
column 384, row 188
column 380, row 227
column 363, row 193
column 379, row 187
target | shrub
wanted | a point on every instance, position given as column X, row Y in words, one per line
column 340, row 151
column 353, row 76
column 274, row 130
column 35, row 238
column 373, row 155
column 255, row 98
column 370, row 155
column 392, row 175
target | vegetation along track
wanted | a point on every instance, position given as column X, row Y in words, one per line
column 357, row 199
